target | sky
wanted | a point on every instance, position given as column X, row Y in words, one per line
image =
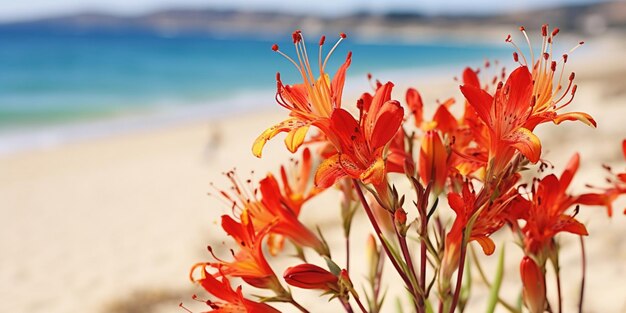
column 13, row 10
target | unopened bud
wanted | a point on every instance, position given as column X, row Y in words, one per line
column 309, row 276
column 534, row 284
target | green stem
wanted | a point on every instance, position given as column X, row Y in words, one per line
column 505, row 304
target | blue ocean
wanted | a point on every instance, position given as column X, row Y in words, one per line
column 57, row 77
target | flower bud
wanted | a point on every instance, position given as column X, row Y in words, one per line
column 534, row 285
column 399, row 217
column 309, row 276
column 372, row 253
column 433, row 161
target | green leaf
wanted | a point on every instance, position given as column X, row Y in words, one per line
column 494, row 293
column 332, row 266
column 399, row 305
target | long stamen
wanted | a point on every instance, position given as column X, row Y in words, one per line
column 275, row 49
column 305, row 56
column 319, row 55
column 532, row 54
column 519, row 51
column 569, row 85
column 342, row 36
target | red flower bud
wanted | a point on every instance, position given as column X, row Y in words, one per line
column 534, row 285
column 400, row 217
column 309, row 276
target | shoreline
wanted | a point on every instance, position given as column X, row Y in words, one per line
column 43, row 137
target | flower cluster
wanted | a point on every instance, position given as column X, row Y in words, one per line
column 471, row 162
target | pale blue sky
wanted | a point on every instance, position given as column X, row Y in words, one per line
column 26, row 9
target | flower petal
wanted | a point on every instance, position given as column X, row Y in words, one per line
column 329, row 172
column 571, row 225
column 573, row 116
column 375, row 173
column 382, row 95
column 347, row 133
column 480, row 100
column 284, row 126
column 339, row 79
column 527, row 143
column 386, row 124
column 445, row 120
column 487, row 244
column 470, row 78
column 416, row 105
column 295, row 138
column 569, row 172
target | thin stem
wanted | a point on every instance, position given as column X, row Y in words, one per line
column 407, row 258
column 348, row 253
column 379, row 234
column 346, row 305
column 558, row 284
column 358, row 301
column 297, row 305
column 423, row 249
column 459, row 276
column 582, row 281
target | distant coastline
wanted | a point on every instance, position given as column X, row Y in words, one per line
column 588, row 19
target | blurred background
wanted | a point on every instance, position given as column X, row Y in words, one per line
column 116, row 115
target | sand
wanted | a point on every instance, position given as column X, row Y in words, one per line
column 113, row 224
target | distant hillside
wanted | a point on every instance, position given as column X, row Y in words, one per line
column 587, row 18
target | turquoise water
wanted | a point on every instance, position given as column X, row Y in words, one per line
column 50, row 77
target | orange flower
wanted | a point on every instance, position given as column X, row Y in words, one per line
column 313, row 100
column 433, row 161
column 276, row 209
column 608, row 195
column 233, row 300
column 360, row 144
column 250, row 263
column 546, row 213
column 534, row 284
column 273, row 211
column 528, row 97
column 482, row 215
column 297, row 187
column 309, row 276
column 505, row 114
column 547, row 75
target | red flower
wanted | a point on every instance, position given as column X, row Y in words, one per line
column 233, row 300
column 481, row 215
column 250, row 263
column 546, row 213
column 276, row 209
column 297, row 186
column 274, row 212
column 313, row 100
column 309, row 276
column 360, row 144
column 505, row 115
column 548, row 94
column 608, row 195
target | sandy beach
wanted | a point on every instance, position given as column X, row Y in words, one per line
column 113, row 224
